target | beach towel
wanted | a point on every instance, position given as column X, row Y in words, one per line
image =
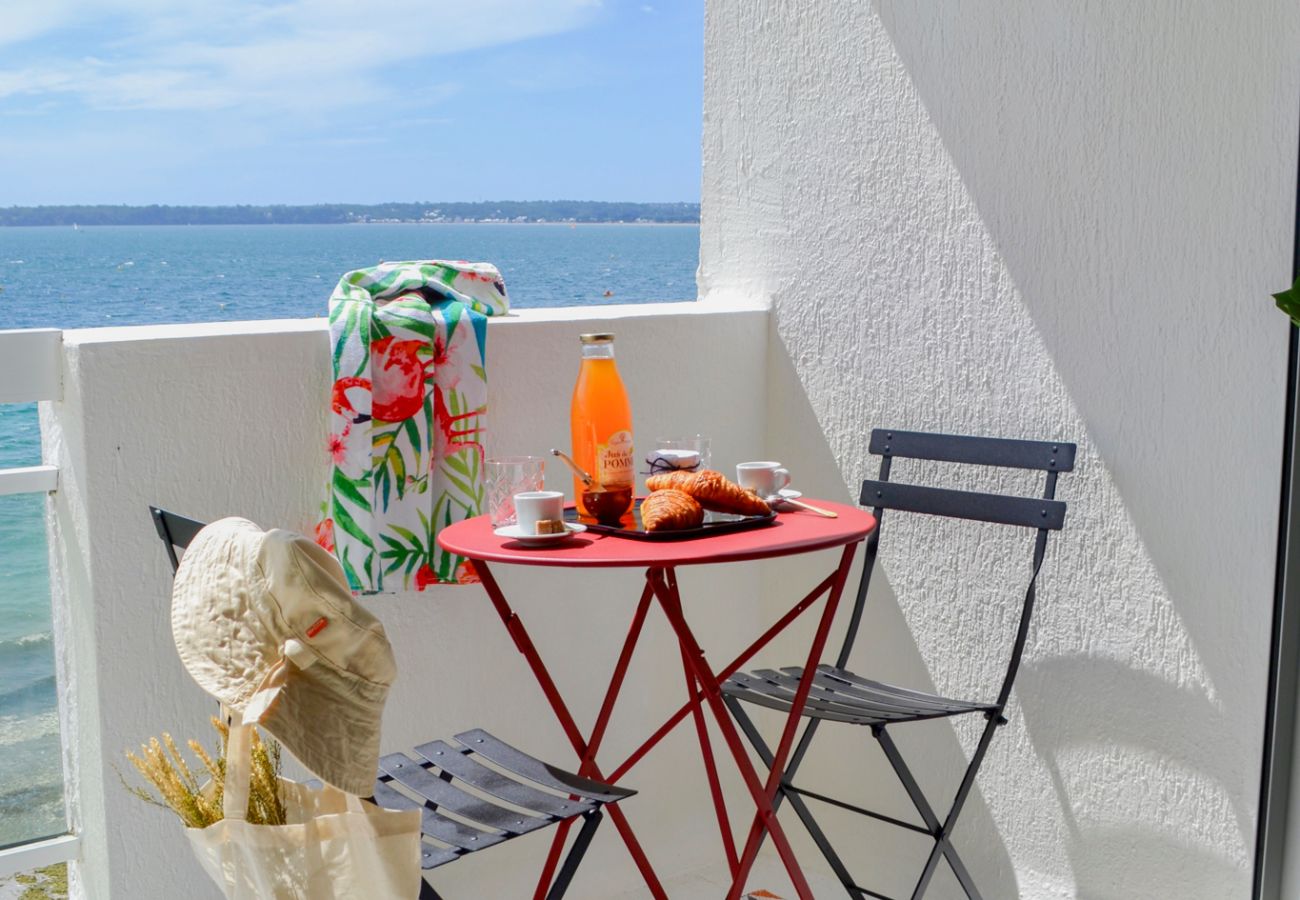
column 408, row 408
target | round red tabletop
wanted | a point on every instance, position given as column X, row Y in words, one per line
column 792, row 532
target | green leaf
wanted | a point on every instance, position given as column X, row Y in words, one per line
column 350, row 571
column 394, row 545
column 384, row 488
column 479, row 371
column 408, row 535
column 451, row 315
column 421, row 327
column 363, row 329
column 428, row 525
column 345, row 488
column 1289, row 302
column 414, row 434
column 455, row 461
column 349, row 326
column 343, row 519
column 397, row 465
column 461, row 486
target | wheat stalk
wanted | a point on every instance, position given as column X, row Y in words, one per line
column 176, row 786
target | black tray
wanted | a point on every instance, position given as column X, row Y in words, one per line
column 714, row 523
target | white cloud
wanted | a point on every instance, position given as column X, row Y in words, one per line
column 303, row 57
column 23, row 20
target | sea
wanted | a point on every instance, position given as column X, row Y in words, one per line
column 134, row 275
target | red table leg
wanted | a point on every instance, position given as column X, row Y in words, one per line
column 732, row 668
column 671, row 603
column 761, row 821
column 525, row 645
column 765, row 818
column 711, row 770
column 587, row 765
column 698, row 674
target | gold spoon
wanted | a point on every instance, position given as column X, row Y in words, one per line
column 587, row 480
column 808, row 506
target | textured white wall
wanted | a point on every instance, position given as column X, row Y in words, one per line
column 1048, row 220
column 227, row 419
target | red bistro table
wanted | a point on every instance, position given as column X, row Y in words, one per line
column 792, row 533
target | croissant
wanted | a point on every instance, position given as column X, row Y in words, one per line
column 670, row 510
column 713, row 491
column 675, row 480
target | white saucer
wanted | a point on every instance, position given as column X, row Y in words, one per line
column 784, row 494
column 514, row 533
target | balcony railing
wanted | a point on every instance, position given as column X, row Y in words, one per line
column 30, row 367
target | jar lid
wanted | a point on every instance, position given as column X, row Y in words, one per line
column 601, row 338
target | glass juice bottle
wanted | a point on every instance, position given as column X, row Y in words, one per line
column 601, row 427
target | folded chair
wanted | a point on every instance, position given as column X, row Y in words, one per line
column 429, row 778
column 839, row 695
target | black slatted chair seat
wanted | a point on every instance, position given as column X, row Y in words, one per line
column 841, row 696
column 473, row 793
column 525, row 794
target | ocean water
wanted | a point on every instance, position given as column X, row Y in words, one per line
column 91, row 277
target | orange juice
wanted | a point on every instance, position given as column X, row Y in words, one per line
column 601, row 426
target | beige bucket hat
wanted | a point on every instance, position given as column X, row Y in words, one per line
column 265, row 622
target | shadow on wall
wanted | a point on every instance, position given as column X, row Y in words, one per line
column 1069, row 706
column 1106, row 120
column 845, row 761
column 1022, row 229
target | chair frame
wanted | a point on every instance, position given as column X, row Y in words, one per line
column 433, row 771
column 1043, row 515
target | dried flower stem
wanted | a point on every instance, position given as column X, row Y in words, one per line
column 177, row 786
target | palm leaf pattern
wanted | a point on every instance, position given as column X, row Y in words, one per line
column 408, row 415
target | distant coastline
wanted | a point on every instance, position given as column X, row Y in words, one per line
column 532, row 212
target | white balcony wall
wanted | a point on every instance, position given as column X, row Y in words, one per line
column 225, row 419
column 1038, row 220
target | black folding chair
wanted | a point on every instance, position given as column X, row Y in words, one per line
column 839, row 695
column 428, row 778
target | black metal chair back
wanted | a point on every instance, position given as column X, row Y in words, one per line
column 176, row 532
column 839, row 695
column 1043, row 514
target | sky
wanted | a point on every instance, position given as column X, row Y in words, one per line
column 343, row 101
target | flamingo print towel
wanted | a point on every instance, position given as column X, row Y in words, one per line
column 407, row 417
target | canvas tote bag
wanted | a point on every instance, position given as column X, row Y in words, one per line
column 335, row 845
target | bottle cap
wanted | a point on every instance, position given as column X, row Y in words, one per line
column 602, row 338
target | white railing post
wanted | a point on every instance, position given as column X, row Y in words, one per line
column 30, row 365
column 31, row 368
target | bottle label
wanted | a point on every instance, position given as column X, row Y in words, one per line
column 614, row 459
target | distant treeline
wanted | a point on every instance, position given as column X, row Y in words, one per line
column 348, row 213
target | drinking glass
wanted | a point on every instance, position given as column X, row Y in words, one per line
column 699, row 443
column 505, row 476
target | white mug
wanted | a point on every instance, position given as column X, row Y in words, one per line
column 763, row 478
column 532, row 507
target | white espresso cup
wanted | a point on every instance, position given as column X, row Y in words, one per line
column 763, row 478
column 532, row 507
